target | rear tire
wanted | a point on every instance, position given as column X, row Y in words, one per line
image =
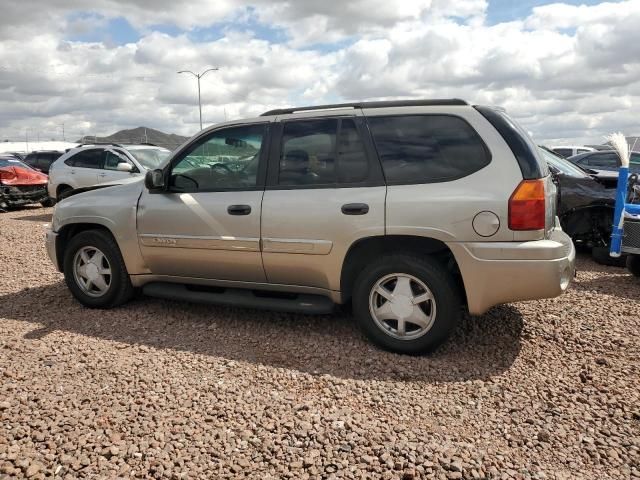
column 87, row 259
column 601, row 255
column 633, row 264
column 389, row 310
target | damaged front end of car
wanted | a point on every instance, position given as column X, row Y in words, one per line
column 21, row 185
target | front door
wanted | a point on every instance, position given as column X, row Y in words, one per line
column 325, row 191
column 207, row 222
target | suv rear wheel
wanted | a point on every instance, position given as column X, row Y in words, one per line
column 406, row 304
column 95, row 271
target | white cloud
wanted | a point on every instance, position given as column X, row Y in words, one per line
column 567, row 72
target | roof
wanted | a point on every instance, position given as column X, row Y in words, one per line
column 379, row 104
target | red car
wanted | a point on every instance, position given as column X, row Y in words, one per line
column 20, row 184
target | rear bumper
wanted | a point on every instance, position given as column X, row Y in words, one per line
column 16, row 195
column 500, row 272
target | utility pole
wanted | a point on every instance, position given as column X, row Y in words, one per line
column 199, row 76
column 63, row 137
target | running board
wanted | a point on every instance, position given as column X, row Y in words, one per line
column 236, row 297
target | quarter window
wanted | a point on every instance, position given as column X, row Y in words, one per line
column 227, row 159
column 427, row 148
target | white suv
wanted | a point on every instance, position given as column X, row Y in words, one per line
column 90, row 165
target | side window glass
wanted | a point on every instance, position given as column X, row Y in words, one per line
column 88, row 159
column 227, row 159
column 308, row 153
column 563, row 152
column 112, row 160
column 608, row 160
column 353, row 165
column 427, row 148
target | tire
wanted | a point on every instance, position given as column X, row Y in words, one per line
column 601, row 255
column 61, row 191
column 633, row 264
column 118, row 284
column 442, row 312
column 49, row 202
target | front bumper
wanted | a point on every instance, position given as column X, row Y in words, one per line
column 500, row 272
column 19, row 195
column 50, row 243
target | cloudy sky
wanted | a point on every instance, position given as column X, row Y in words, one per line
column 569, row 71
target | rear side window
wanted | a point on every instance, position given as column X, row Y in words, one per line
column 523, row 148
column 427, row 148
column 322, row 152
column 605, row 160
column 87, row 159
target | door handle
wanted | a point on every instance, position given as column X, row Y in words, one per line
column 102, row 174
column 355, row 209
column 238, row 209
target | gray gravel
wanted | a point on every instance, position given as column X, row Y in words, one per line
column 546, row 389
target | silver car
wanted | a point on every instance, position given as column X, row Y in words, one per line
column 407, row 210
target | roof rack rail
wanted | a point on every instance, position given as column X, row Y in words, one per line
column 98, row 143
column 377, row 104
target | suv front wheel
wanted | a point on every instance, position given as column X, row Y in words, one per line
column 95, row 271
column 406, row 304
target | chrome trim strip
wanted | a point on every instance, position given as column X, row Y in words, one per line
column 201, row 242
column 292, row 245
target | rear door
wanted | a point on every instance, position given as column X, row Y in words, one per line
column 85, row 166
column 324, row 191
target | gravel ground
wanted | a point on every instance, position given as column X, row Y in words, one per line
column 546, row 389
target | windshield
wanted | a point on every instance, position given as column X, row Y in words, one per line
column 563, row 166
column 150, row 158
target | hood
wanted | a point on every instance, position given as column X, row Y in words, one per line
column 17, row 175
column 114, row 183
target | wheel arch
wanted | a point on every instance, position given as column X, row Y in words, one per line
column 363, row 250
column 67, row 232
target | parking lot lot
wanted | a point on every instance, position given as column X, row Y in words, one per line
column 545, row 389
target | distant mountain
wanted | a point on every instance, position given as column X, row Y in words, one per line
column 139, row 135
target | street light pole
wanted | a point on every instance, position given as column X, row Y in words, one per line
column 198, row 77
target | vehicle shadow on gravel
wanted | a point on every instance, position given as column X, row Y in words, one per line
column 614, row 281
column 45, row 217
column 480, row 348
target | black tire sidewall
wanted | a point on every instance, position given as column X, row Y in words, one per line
column 119, row 275
column 439, row 281
column 601, row 255
column 633, row 264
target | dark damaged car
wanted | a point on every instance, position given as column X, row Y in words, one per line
column 20, row 184
column 585, row 207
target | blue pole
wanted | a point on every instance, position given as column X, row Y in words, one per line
column 621, row 199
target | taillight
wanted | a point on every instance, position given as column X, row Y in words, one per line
column 527, row 206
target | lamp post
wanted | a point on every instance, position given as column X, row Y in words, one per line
column 199, row 76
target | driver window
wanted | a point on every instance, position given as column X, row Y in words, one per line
column 112, row 160
column 226, row 159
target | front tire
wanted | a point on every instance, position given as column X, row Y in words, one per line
column 49, row 202
column 406, row 304
column 633, row 264
column 95, row 271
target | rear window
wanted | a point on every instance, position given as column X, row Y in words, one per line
column 427, row 148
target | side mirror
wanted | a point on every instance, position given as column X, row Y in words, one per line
column 154, row 180
column 124, row 167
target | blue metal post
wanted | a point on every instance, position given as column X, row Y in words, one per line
column 621, row 199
